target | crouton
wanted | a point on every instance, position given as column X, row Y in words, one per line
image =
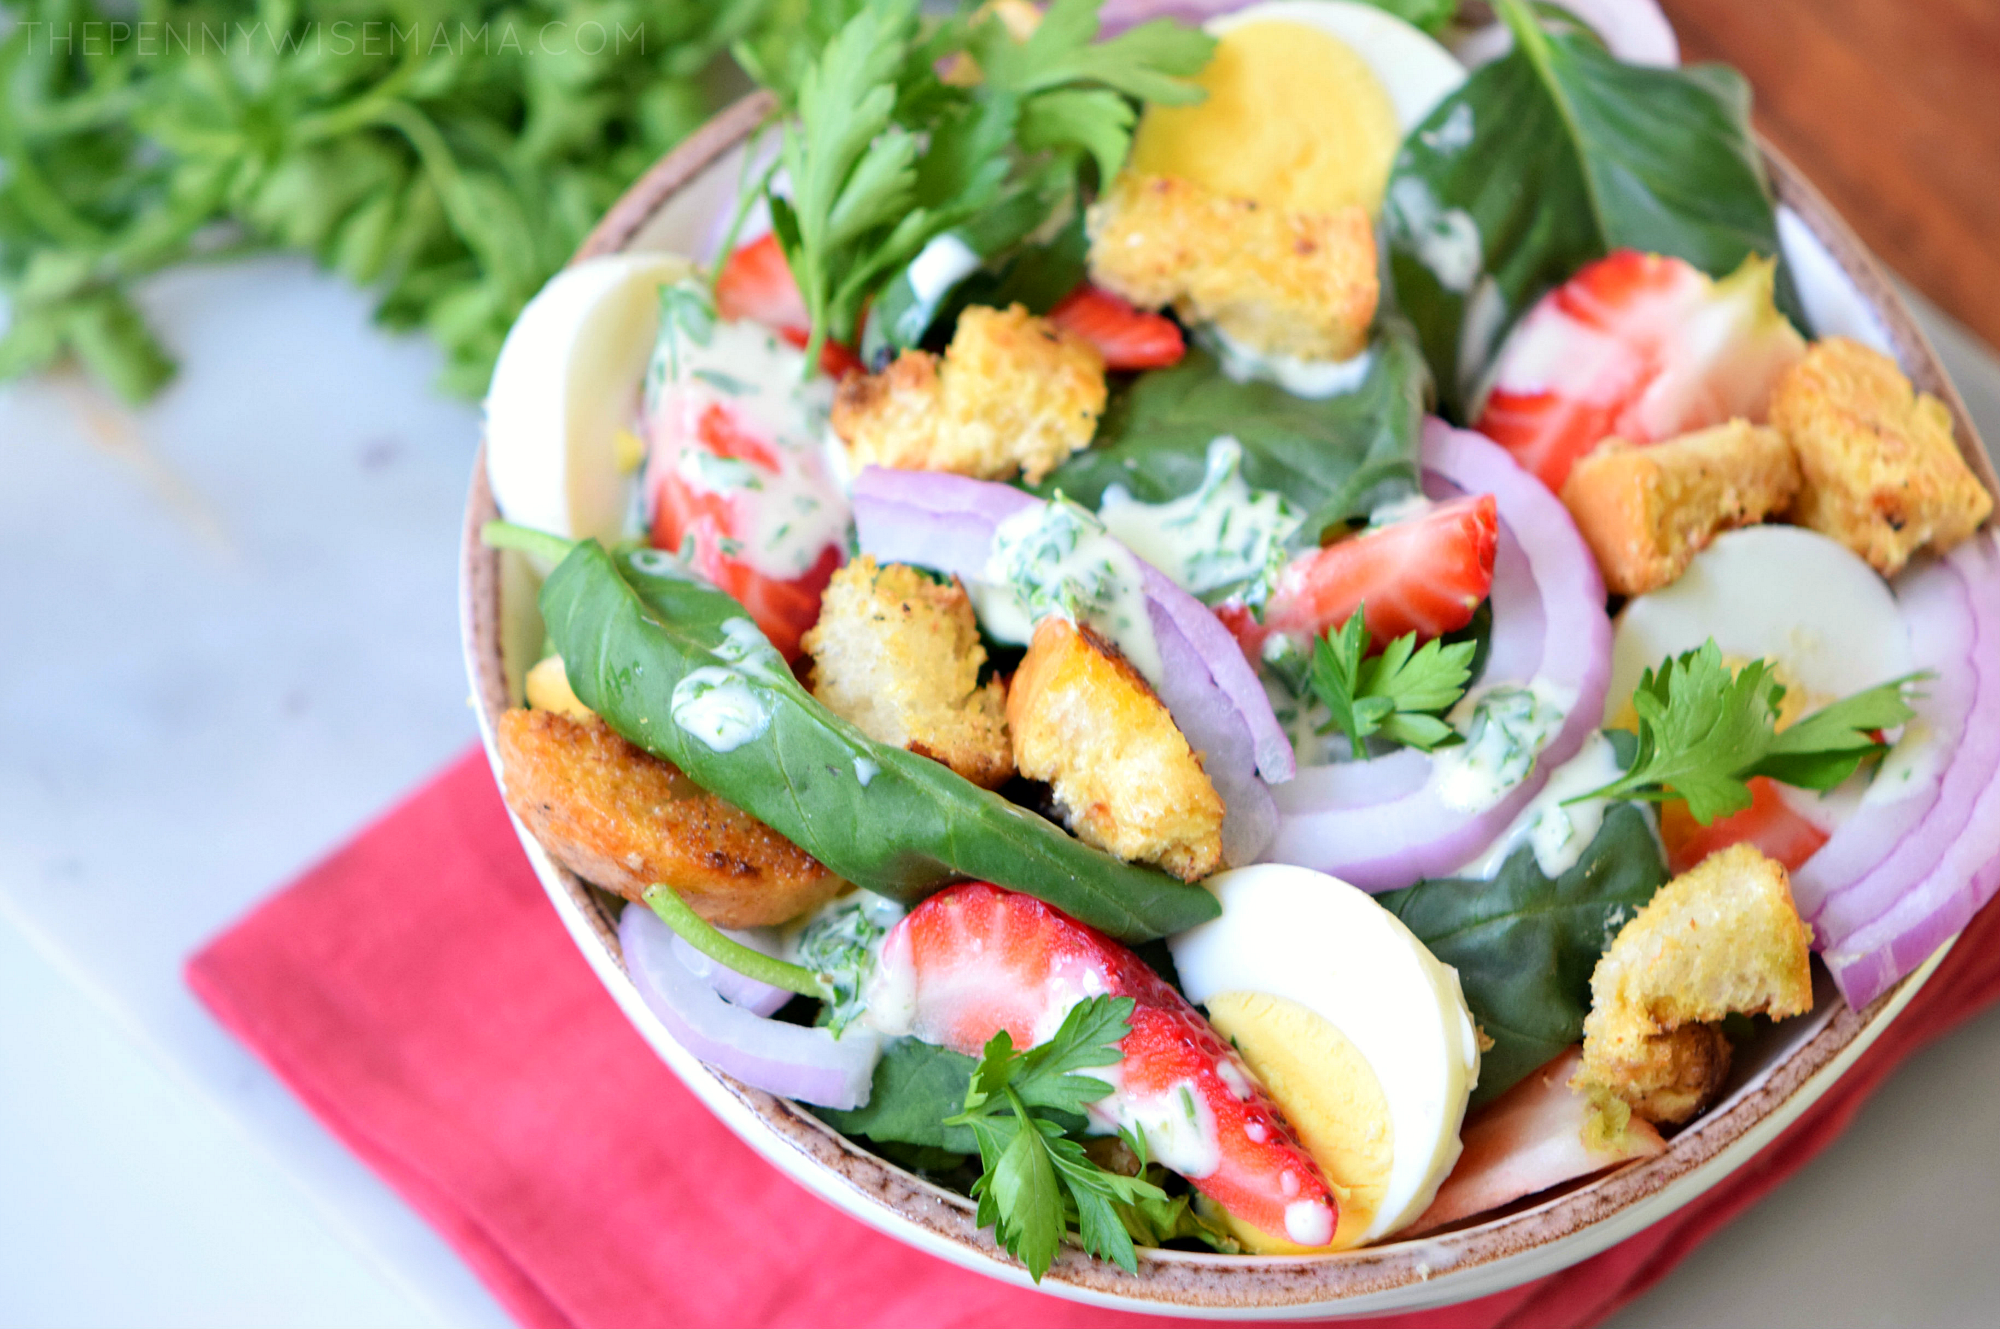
column 1724, row 938
column 898, row 655
column 1276, row 280
column 1881, row 472
column 1646, row 510
column 622, row 819
column 1085, row 721
column 1012, row 393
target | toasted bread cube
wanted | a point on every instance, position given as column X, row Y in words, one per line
column 1647, row 509
column 1085, row 721
column 1881, row 472
column 1276, row 280
column 1722, row 938
column 898, row 655
column 1012, row 393
column 622, row 819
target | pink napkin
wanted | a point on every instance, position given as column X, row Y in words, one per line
column 417, row 992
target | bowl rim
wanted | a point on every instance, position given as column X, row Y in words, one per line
column 1435, row 1269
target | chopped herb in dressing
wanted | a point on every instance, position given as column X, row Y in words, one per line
column 1224, row 539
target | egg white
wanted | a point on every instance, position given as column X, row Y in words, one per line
column 1315, row 940
column 1414, row 70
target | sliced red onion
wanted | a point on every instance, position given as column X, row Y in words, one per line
column 789, row 1060
column 947, row 522
column 1947, row 865
column 1373, row 823
column 737, row 989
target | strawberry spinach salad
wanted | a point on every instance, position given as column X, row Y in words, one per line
column 1202, row 588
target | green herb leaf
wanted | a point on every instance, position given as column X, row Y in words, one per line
column 916, row 1086
column 643, row 640
column 1824, row 748
column 1396, row 694
column 1433, row 16
column 1335, row 459
column 1551, row 157
column 1524, row 945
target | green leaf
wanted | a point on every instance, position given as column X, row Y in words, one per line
column 1549, row 158
column 1093, row 120
column 1524, row 945
column 1824, row 748
column 1336, row 459
column 1433, row 16
column 638, row 631
column 1335, row 678
column 916, row 1087
column 1022, row 1185
column 1391, row 694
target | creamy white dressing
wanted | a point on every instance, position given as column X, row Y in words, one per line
column 1506, row 725
column 787, row 503
column 865, row 770
column 717, row 707
column 1178, row 1127
column 1403, row 509
column 1314, row 380
column 1223, row 537
column 1454, row 134
column 1446, row 239
column 744, row 645
column 940, row 265
column 1057, row 558
column 1558, row 834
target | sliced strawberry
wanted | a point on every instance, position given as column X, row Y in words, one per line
column 1426, row 574
column 756, row 283
column 1126, row 337
column 1640, row 346
column 975, row 959
column 1768, row 823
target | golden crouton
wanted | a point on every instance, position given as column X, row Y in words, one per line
column 898, row 655
column 1647, row 510
column 622, row 819
column 1277, row 280
column 1723, row 938
column 1085, row 721
column 1013, row 392
column 1881, row 473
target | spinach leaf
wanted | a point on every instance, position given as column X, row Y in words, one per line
column 917, row 1085
column 1433, row 16
column 677, row 667
column 1335, row 458
column 1552, row 157
column 1524, row 945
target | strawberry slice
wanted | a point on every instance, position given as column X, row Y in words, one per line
column 975, row 959
column 756, row 283
column 1126, row 337
column 1639, row 346
column 1425, row 574
column 1768, row 823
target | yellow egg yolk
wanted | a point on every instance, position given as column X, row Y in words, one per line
column 1294, row 118
column 1328, row 1092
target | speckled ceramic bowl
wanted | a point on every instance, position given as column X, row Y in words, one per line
column 681, row 205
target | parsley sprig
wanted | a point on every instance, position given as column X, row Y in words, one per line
column 1036, row 1182
column 883, row 155
column 1705, row 730
column 1398, row 695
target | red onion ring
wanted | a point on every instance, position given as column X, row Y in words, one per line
column 734, row 988
column 789, row 1060
column 946, row 522
column 1371, row 823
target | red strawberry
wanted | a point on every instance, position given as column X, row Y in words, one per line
column 1127, row 338
column 1768, row 823
column 1426, row 574
column 1640, row 346
column 756, row 283
column 975, row 959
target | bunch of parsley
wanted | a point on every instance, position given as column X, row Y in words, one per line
column 448, row 155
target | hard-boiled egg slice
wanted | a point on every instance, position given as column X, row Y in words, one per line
column 1781, row 593
column 560, row 452
column 1307, row 103
column 1361, row 1036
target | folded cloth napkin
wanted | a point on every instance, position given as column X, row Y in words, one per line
column 418, row 993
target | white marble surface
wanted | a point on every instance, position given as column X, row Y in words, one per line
column 228, row 638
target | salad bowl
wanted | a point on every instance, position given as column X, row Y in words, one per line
column 683, row 205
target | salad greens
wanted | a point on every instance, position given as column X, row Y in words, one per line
column 1399, row 695
column 1037, row 1180
column 1705, row 729
column 450, row 163
column 1551, row 157
column 1335, row 458
column 1525, row 944
column 677, row 667
column 885, row 155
